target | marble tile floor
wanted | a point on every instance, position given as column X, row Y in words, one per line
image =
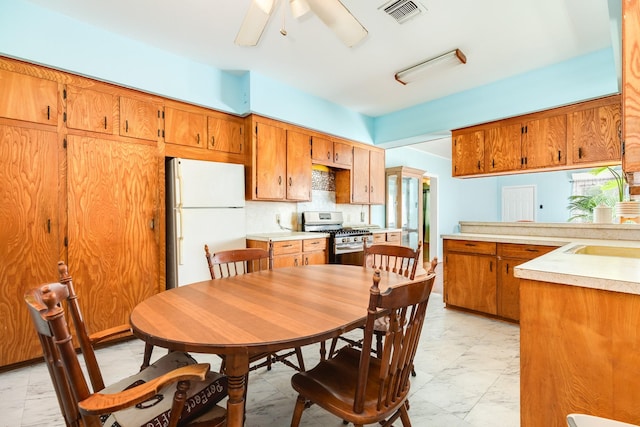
column 467, row 376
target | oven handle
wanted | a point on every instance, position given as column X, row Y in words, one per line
column 348, row 248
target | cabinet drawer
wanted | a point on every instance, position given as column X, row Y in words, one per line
column 309, row 245
column 394, row 237
column 287, row 247
column 470, row 246
column 512, row 250
column 379, row 237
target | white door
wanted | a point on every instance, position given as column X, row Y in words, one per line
column 518, row 203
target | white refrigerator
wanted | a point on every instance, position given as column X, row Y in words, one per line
column 205, row 205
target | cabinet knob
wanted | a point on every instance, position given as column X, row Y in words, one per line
column 328, row 155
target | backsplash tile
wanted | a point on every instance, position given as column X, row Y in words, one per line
column 261, row 216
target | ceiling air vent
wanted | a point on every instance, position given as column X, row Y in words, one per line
column 402, row 10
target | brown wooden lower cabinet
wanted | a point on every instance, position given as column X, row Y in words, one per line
column 479, row 276
column 579, row 352
column 294, row 253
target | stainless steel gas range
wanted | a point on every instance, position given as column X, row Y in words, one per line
column 345, row 244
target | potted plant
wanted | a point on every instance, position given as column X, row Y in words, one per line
column 626, row 210
column 602, row 198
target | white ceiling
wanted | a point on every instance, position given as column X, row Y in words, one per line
column 500, row 38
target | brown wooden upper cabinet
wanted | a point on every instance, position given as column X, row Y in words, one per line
column 225, row 133
column 544, row 142
column 630, row 89
column 364, row 183
column 468, row 153
column 139, row 119
column 28, row 98
column 574, row 136
column 185, row 127
column 90, row 110
column 331, row 152
column 280, row 167
column 594, row 133
column 298, row 166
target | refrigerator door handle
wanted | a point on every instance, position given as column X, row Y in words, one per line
column 179, row 213
column 180, row 235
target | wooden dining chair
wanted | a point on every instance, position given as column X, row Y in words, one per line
column 234, row 262
column 358, row 387
column 192, row 390
column 393, row 258
column 88, row 341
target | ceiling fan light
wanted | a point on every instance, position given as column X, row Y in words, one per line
column 299, row 8
column 253, row 25
column 337, row 17
column 265, row 5
column 416, row 72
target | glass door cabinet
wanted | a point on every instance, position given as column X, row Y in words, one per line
column 404, row 203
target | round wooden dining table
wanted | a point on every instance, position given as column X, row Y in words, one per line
column 265, row 311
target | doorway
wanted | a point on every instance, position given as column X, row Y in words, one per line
column 430, row 216
column 518, row 203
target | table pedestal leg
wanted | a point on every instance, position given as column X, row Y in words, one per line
column 237, row 369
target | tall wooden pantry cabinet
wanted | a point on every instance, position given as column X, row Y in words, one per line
column 82, row 173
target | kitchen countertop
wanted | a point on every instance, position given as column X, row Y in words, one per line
column 611, row 273
column 286, row 235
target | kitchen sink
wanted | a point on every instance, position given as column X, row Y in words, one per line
column 617, row 251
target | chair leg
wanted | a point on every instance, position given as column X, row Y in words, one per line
column 332, row 349
column 378, row 345
column 404, row 415
column 146, row 360
column 300, row 359
column 269, row 361
column 323, row 351
column 297, row 411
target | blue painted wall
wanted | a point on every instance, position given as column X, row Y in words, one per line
column 45, row 37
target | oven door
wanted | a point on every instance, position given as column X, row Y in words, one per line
column 351, row 253
column 350, row 258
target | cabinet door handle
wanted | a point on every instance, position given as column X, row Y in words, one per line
column 478, row 164
column 280, row 180
column 198, row 138
column 126, row 126
column 366, row 188
column 328, row 155
column 105, row 122
column 579, row 152
column 336, row 157
column 491, row 266
column 306, row 261
column 290, row 182
column 295, row 262
column 213, row 141
column 507, row 268
column 48, row 112
column 49, row 225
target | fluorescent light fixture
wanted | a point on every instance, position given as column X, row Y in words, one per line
column 415, row 72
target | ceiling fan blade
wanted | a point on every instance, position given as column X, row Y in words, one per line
column 254, row 23
column 337, row 17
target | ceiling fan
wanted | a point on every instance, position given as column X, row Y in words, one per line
column 332, row 12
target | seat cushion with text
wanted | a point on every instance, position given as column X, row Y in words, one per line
column 201, row 395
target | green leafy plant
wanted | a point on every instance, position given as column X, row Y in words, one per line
column 617, row 182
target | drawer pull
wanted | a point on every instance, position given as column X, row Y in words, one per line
column 470, row 244
column 531, row 250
